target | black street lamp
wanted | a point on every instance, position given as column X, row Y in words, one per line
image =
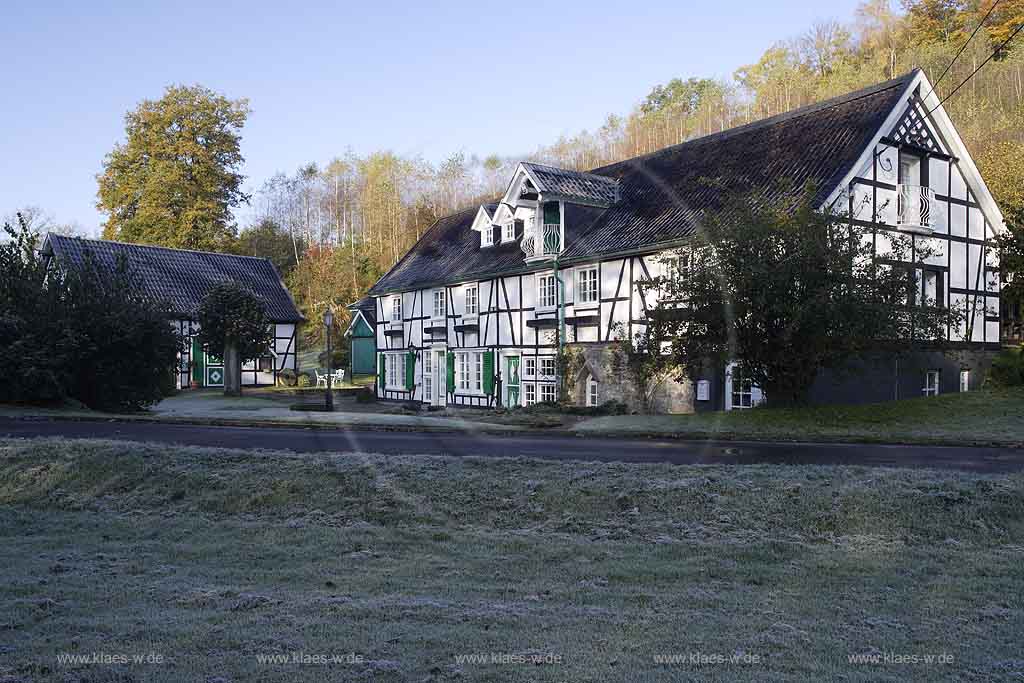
column 328, row 322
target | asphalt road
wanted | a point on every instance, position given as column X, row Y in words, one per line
column 544, row 446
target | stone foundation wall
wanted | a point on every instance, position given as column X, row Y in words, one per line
column 614, row 382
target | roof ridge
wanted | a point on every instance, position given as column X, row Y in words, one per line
column 805, row 110
column 156, row 246
column 569, row 170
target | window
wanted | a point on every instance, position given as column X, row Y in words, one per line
column 591, row 391
column 472, row 305
column 439, row 304
column 396, row 370
column 910, row 169
column 487, row 236
column 586, row 286
column 547, row 295
column 469, row 370
column 931, row 383
column 530, row 394
column 509, row 232
column 547, row 393
column 925, row 287
column 547, row 367
column 396, row 308
column 266, row 364
column 529, row 367
column 742, row 391
column 965, row 380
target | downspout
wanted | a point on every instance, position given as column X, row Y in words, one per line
column 561, row 290
column 561, row 324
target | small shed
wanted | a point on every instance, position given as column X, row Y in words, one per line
column 362, row 337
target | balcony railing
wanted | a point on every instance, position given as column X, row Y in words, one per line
column 916, row 208
column 542, row 242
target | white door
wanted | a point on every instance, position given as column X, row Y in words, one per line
column 428, row 377
column 440, row 379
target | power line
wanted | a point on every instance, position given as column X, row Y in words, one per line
column 987, row 60
column 962, row 48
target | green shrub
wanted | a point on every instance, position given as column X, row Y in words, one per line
column 1008, row 368
column 304, row 381
column 80, row 330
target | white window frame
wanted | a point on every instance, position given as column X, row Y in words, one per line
column 529, row 366
column 548, row 389
column 395, row 367
column 588, row 286
column 547, row 291
column 469, row 371
column 965, row 380
column 440, row 313
column 487, row 236
column 592, row 392
column 529, row 394
column 547, row 367
column 741, row 388
column 932, row 382
column 473, row 309
column 508, row 231
column 396, row 309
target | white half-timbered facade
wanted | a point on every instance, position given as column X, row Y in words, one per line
column 181, row 278
column 475, row 313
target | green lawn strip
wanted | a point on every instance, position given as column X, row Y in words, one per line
column 212, row 557
column 980, row 417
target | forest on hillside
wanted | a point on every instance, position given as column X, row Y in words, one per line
column 348, row 221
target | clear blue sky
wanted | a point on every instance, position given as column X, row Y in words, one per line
column 321, row 77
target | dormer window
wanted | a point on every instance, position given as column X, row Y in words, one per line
column 509, row 232
column 486, row 237
column 396, row 309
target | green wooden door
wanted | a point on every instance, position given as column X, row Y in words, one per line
column 512, row 381
column 363, row 353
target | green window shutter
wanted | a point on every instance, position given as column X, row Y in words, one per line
column 410, row 370
column 489, row 373
column 451, row 372
column 552, row 214
column 383, row 371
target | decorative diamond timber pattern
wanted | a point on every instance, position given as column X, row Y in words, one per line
column 913, row 129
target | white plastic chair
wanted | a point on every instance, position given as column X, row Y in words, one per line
column 321, row 379
column 339, row 378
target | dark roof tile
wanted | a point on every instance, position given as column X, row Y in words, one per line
column 183, row 277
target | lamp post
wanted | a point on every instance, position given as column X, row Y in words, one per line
column 328, row 322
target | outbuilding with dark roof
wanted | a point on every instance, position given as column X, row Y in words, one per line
column 181, row 278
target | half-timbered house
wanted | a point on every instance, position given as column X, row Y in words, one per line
column 475, row 312
column 182, row 278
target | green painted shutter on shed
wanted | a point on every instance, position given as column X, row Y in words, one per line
column 489, row 373
column 198, row 362
column 410, row 370
column 450, row 375
column 552, row 214
column 383, row 381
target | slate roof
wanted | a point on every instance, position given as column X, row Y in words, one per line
column 367, row 307
column 579, row 185
column 664, row 195
column 183, row 277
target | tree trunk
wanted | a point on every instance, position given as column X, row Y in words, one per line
column 232, row 371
